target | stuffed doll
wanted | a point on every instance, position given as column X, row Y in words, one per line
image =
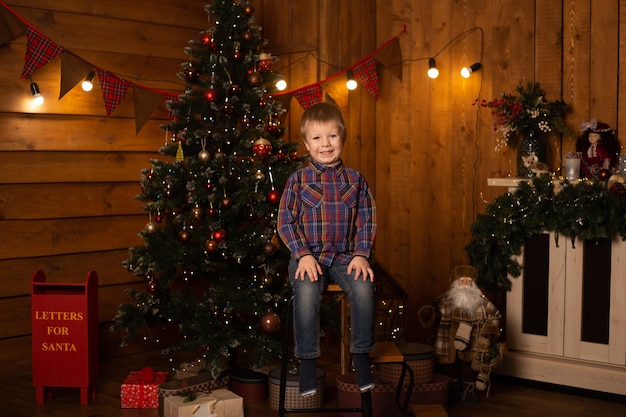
column 599, row 147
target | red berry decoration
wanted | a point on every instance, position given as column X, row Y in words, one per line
column 262, row 148
column 270, row 322
column 273, row 197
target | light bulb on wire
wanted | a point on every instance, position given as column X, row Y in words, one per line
column 281, row 84
column 87, row 84
column 37, row 97
column 466, row 72
column 433, row 72
column 351, row 84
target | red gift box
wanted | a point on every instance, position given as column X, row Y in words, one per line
column 141, row 389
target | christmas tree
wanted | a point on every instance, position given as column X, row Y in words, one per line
column 214, row 267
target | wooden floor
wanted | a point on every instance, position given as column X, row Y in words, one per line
column 507, row 397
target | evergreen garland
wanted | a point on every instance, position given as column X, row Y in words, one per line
column 585, row 210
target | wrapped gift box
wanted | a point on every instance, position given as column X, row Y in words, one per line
column 202, row 382
column 141, row 389
column 218, row 403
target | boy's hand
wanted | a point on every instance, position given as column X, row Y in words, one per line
column 307, row 265
column 362, row 268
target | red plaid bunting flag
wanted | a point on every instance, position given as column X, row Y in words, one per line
column 308, row 96
column 365, row 73
column 113, row 89
column 39, row 51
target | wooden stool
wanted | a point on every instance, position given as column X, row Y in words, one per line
column 384, row 352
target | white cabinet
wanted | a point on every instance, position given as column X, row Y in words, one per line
column 566, row 314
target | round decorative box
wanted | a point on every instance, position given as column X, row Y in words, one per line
column 249, row 384
column 418, row 356
column 383, row 397
column 434, row 392
column 293, row 398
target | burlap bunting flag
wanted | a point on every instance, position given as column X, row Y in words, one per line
column 145, row 102
column 113, row 89
column 10, row 26
column 309, row 95
column 39, row 51
column 365, row 73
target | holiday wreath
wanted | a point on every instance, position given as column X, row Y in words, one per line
column 585, row 210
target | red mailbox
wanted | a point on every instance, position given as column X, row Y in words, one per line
column 65, row 335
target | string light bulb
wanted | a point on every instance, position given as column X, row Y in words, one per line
column 87, row 84
column 433, row 72
column 281, row 84
column 37, row 97
column 351, row 84
column 466, row 72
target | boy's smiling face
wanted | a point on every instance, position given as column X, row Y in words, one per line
column 324, row 142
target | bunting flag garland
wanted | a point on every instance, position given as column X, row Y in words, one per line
column 390, row 56
column 73, row 71
column 113, row 89
column 39, row 51
column 309, row 95
column 365, row 73
column 10, row 26
column 145, row 102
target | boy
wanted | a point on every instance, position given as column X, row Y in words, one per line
column 327, row 219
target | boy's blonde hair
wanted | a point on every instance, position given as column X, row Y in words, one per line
column 323, row 112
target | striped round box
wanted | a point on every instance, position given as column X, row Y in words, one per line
column 383, row 397
column 434, row 392
column 418, row 356
column 293, row 398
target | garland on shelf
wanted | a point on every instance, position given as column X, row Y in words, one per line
column 582, row 209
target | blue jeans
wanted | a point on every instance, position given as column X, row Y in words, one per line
column 306, row 306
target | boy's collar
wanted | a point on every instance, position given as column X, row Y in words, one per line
column 319, row 167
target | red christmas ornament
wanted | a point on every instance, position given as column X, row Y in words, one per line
column 273, row 197
column 208, row 41
column 248, row 10
column 158, row 218
column 183, row 235
column 270, row 322
column 237, row 55
column 226, row 202
column 190, row 73
column 219, row 235
column 211, row 94
column 262, row 148
column 151, row 287
column 208, row 185
column 247, row 35
column 269, row 248
column 604, row 175
column 211, row 212
column 265, row 62
column 211, row 245
column 274, row 129
column 255, row 79
column 235, row 90
column 150, row 176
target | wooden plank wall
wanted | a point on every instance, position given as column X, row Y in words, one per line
column 69, row 174
column 435, row 149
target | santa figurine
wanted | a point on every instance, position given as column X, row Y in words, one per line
column 467, row 332
column 599, row 147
